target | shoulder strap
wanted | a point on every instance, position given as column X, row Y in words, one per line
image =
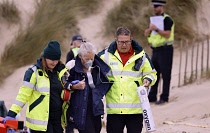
column 34, row 68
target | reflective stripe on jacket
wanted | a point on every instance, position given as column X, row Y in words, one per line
column 156, row 40
column 122, row 98
column 36, row 92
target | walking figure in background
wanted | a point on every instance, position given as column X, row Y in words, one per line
column 161, row 41
column 129, row 64
column 75, row 44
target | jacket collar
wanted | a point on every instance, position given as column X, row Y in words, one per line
column 97, row 62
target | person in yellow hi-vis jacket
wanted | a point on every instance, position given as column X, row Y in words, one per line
column 42, row 88
column 129, row 63
column 75, row 45
column 161, row 41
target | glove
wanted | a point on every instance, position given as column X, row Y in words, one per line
column 7, row 118
column 11, row 131
column 68, row 85
column 75, row 82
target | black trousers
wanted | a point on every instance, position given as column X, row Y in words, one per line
column 70, row 128
column 162, row 58
column 117, row 122
column 93, row 124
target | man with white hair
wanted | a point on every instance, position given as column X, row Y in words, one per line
column 86, row 106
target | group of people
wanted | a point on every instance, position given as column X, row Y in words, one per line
column 89, row 76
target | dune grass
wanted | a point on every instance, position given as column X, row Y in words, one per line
column 135, row 15
column 131, row 14
column 53, row 20
column 9, row 12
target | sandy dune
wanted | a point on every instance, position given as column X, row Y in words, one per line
column 188, row 110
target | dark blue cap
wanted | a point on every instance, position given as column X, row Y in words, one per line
column 77, row 37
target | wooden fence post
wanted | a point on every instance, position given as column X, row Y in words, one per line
column 196, row 69
column 192, row 57
column 185, row 71
column 180, row 63
column 202, row 45
column 207, row 67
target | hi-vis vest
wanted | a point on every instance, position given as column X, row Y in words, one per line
column 122, row 98
column 37, row 94
column 156, row 40
column 75, row 51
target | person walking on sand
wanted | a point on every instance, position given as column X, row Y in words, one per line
column 86, row 106
column 161, row 41
column 75, row 44
column 129, row 64
column 42, row 89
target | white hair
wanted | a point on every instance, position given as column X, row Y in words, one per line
column 86, row 47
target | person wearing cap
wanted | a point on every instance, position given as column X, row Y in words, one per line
column 161, row 41
column 86, row 106
column 42, row 88
column 75, row 44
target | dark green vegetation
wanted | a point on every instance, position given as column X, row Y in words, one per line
column 9, row 12
column 53, row 19
column 135, row 15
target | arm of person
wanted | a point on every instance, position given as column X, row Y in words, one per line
column 147, row 32
column 164, row 33
column 167, row 28
column 24, row 93
column 150, row 76
column 80, row 85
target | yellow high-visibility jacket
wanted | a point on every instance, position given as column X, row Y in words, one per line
column 75, row 51
column 36, row 92
column 122, row 98
column 156, row 40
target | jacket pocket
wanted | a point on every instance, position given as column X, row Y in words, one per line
column 35, row 103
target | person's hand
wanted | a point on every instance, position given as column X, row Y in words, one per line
column 11, row 131
column 152, row 27
column 7, row 118
column 146, row 83
column 75, row 82
column 147, row 32
column 80, row 85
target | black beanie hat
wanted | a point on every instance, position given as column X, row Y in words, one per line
column 52, row 51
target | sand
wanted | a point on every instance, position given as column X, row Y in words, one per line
column 188, row 109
